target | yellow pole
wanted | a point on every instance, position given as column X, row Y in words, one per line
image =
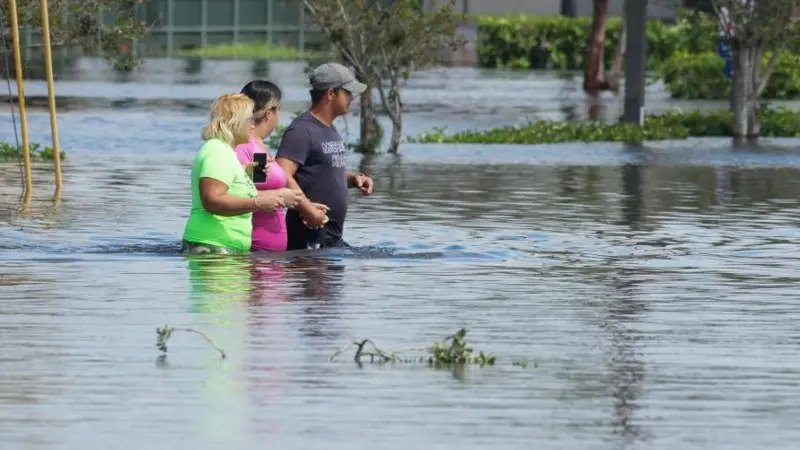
column 23, row 116
column 51, row 96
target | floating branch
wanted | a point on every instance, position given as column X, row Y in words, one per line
column 163, row 335
column 452, row 350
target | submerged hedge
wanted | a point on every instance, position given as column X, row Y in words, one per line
column 531, row 42
column 701, row 76
column 669, row 126
column 10, row 152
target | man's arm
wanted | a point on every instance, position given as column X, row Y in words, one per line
column 305, row 207
column 361, row 181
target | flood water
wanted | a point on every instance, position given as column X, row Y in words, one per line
column 653, row 291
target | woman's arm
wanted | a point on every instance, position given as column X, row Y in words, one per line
column 215, row 198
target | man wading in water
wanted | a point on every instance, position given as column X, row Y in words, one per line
column 313, row 156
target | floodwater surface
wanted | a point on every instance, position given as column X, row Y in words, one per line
column 652, row 290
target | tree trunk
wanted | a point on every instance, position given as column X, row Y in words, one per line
column 394, row 106
column 619, row 59
column 369, row 134
column 744, row 98
column 594, row 72
column 397, row 121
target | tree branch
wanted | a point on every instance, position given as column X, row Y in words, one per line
column 346, row 54
column 765, row 76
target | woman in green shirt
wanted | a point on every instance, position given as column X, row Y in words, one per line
column 223, row 194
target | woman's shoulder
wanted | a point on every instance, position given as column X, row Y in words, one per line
column 245, row 151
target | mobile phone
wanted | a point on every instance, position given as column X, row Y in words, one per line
column 258, row 171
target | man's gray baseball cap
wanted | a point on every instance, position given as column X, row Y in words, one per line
column 334, row 75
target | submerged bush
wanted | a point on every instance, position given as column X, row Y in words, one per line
column 10, row 152
column 673, row 125
column 701, row 75
column 533, row 42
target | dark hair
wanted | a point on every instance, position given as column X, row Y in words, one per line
column 317, row 95
column 263, row 93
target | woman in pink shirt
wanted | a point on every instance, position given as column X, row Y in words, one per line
column 269, row 228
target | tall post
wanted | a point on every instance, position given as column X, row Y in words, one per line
column 636, row 23
column 236, row 14
column 270, row 21
column 170, row 31
column 203, row 24
column 51, row 95
column 302, row 27
column 23, row 115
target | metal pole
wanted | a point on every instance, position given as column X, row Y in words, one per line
column 636, row 23
column 302, row 26
column 23, row 115
column 235, row 21
column 170, row 38
column 203, row 24
column 51, row 95
column 269, row 21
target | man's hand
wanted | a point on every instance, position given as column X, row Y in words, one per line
column 316, row 216
column 362, row 182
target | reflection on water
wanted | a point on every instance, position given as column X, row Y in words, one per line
column 654, row 288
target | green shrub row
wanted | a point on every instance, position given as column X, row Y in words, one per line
column 669, row 126
column 10, row 152
column 701, row 76
column 531, row 42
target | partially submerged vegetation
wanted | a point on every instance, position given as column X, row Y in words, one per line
column 163, row 335
column 669, row 126
column 11, row 152
column 452, row 350
column 251, row 50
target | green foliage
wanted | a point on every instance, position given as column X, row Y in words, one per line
column 451, row 351
column 79, row 24
column 454, row 350
column 532, row 42
column 673, row 125
column 386, row 41
column 701, row 76
column 10, row 152
column 250, row 51
column 778, row 122
column 548, row 132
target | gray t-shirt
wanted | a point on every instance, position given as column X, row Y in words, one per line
column 322, row 173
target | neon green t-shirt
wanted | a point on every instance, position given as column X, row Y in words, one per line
column 216, row 159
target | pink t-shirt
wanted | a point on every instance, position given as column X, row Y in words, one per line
column 269, row 229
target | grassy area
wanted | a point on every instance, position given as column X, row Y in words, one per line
column 10, row 152
column 669, row 126
column 250, row 51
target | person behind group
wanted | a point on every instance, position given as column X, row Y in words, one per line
column 312, row 154
column 223, row 195
column 269, row 228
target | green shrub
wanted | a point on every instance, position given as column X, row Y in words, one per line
column 531, row 42
column 10, row 152
column 702, row 75
column 669, row 126
column 252, row 50
column 548, row 132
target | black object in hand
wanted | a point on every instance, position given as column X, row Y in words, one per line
column 259, row 176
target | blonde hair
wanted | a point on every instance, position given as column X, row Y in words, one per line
column 229, row 113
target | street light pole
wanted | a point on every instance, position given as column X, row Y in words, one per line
column 636, row 23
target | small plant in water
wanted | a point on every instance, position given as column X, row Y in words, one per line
column 163, row 335
column 453, row 350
